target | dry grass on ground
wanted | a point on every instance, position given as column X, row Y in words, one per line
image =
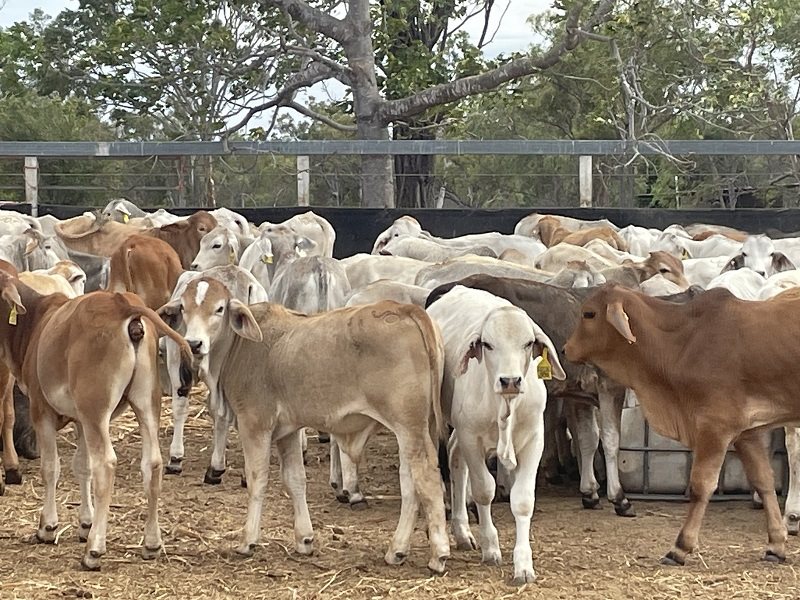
column 578, row 553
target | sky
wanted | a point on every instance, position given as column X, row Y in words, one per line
column 514, row 34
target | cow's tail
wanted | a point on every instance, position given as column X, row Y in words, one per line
column 435, row 350
column 136, row 333
column 120, row 269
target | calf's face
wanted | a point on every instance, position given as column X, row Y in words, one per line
column 209, row 313
column 603, row 328
column 217, row 248
column 509, row 340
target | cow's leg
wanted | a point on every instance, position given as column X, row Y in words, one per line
column 523, row 498
column 792, row 511
column 180, row 410
column 256, row 443
column 351, row 450
column 10, row 458
column 709, row 454
column 610, row 420
column 583, row 423
column 550, row 458
column 46, row 434
column 420, row 482
column 459, row 517
column 218, row 446
column 103, row 462
column 409, row 508
column 83, row 473
column 336, row 470
column 752, row 451
column 148, row 416
column 293, row 474
column 482, row 486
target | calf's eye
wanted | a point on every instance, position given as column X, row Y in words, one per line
column 589, row 314
column 220, row 310
column 487, row 346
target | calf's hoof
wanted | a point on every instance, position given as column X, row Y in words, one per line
column 359, row 504
column 624, row 508
column 774, row 557
column 83, row 532
column 756, row 504
column 438, row 565
column 213, row 476
column 151, row 553
column 305, row 546
column 590, row 502
column 324, row 437
column 793, row 523
column 174, row 467
column 245, row 550
column 45, row 535
column 492, row 559
column 524, row 577
column 467, row 544
column 91, row 561
column 672, row 560
column 13, row 477
column 243, row 483
column 395, row 557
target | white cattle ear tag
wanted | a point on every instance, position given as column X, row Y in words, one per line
column 543, row 369
column 266, row 259
column 12, row 316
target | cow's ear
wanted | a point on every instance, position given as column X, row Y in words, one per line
column 475, row 351
column 243, row 322
column 170, row 313
column 11, row 295
column 304, row 245
column 544, row 341
column 35, row 240
column 734, row 264
column 616, row 315
column 780, row 262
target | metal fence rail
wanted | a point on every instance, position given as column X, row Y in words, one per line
column 461, row 173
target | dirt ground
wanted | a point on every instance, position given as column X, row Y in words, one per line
column 577, row 553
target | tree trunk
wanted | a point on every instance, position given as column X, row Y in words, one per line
column 377, row 178
column 413, row 173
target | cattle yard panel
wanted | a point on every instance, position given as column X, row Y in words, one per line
column 471, row 173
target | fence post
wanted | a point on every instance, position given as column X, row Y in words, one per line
column 32, row 184
column 585, row 181
column 303, row 180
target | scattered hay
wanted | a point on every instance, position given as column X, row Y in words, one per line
column 578, row 553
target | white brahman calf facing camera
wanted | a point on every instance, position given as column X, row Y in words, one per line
column 498, row 403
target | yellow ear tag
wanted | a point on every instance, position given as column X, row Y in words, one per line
column 125, row 218
column 543, row 369
column 684, row 254
column 232, row 257
column 266, row 259
column 12, row 316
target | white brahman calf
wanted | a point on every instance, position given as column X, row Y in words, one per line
column 497, row 406
column 759, row 254
column 743, row 283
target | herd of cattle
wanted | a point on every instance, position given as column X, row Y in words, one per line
column 521, row 346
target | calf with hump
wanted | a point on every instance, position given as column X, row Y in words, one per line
column 338, row 371
column 496, row 404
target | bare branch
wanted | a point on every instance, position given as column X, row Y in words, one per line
column 306, row 78
column 475, row 84
column 314, row 19
column 304, row 110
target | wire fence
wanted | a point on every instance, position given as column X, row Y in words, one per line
column 499, row 180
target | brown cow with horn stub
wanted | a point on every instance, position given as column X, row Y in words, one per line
column 709, row 373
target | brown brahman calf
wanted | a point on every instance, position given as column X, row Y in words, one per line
column 84, row 360
column 713, row 371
